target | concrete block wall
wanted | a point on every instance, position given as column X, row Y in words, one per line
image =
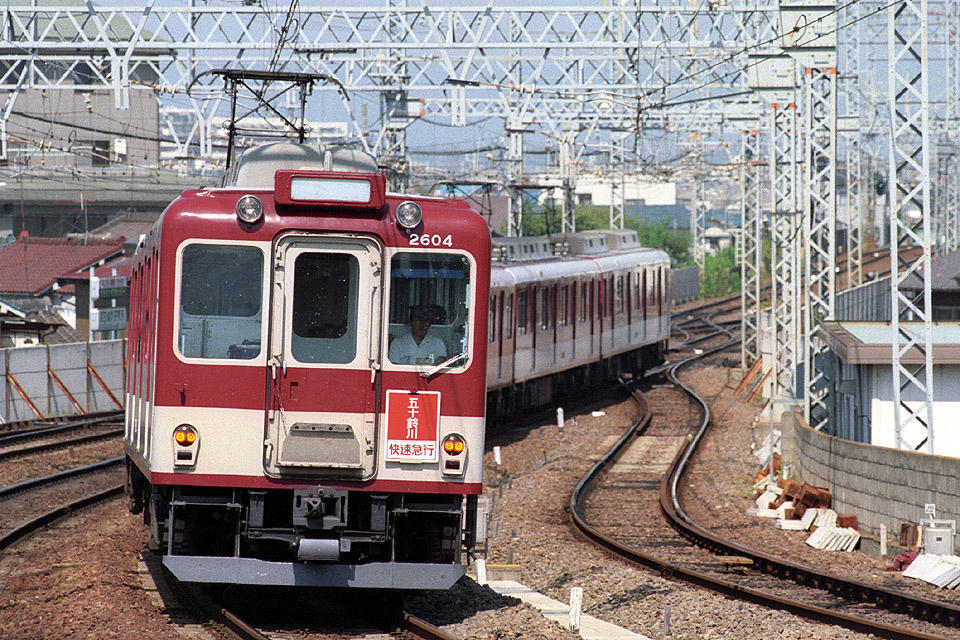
column 879, row 484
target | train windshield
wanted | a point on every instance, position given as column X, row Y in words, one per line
column 429, row 307
column 325, row 287
column 221, row 292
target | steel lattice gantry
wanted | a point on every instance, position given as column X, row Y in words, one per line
column 773, row 78
column 819, row 224
column 785, row 247
column 910, row 222
column 574, row 60
column 751, row 241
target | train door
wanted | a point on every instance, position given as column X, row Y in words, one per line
column 324, row 356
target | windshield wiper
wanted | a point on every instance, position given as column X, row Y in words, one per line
column 443, row 365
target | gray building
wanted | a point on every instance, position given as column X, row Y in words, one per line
column 77, row 129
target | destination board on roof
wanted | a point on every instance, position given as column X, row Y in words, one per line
column 413, row 425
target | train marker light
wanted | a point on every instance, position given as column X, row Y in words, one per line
column 249, row 209
column 185, row 435
column 452, row 456
column 408, row 214
column 453, row 444
column 188, row 441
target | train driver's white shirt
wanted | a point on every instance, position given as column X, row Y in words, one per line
column 404, row 350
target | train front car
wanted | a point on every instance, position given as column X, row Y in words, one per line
column 306, row 394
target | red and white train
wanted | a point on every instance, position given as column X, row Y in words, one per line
column 557, row 326
column 308, row 368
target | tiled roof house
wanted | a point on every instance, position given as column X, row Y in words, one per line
column 30, row 266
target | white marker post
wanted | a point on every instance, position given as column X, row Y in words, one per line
column 496, row 455
column 560, row 419
column 576, row 604
column 481, row 572
column 883, row 540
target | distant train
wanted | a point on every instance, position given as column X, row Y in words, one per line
column 309, row 359
column 558, row 325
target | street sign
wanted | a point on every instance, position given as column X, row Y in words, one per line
column 110, row 319
column 110, row 287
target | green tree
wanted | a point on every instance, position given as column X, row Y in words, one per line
column 721, row 274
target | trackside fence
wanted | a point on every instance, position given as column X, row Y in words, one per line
column 869, row 302
column 48, row 381
column 686, row 284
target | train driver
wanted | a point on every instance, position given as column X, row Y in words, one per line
column 416, row 346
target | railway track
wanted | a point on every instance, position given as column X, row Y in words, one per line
column 37, row 502
column 31, row 505
column 231, row 624
column 37, row 437
column 834, row 595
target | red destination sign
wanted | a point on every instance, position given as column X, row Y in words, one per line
column 413, row 425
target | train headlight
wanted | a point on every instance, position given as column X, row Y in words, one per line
column 187, row 441
column 453, row 455
column 249, row 209
column 408, row 214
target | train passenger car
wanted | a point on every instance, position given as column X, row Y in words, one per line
column 305, row 398
column 561, row 324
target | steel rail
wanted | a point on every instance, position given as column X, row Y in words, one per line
column 39, row 448
column 240, row 629
column 890, row 599
column 60, row 475
column 33, row 434
column 778, row 567
column 26, row 426
column 44, row 519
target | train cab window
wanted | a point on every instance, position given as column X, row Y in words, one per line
column 221, row 291
column 429, row 307
column 325, row 293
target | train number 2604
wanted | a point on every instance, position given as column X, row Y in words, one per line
column 427, row 240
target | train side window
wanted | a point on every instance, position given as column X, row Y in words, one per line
column 619, row 293
column 637, row 294
column 507, row 317
column 521, row 312
column 609, row 296
column 492, row 319
column 584, row 302
column 651, row 293
column 563, row 307
column 544, row 307
column 221, row 291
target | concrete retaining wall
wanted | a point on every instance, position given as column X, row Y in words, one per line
column 29, row 367
column 878, row 484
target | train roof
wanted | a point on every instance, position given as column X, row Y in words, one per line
column 255, row 168
column 549, row 266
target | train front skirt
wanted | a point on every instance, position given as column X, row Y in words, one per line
column 373, row 575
